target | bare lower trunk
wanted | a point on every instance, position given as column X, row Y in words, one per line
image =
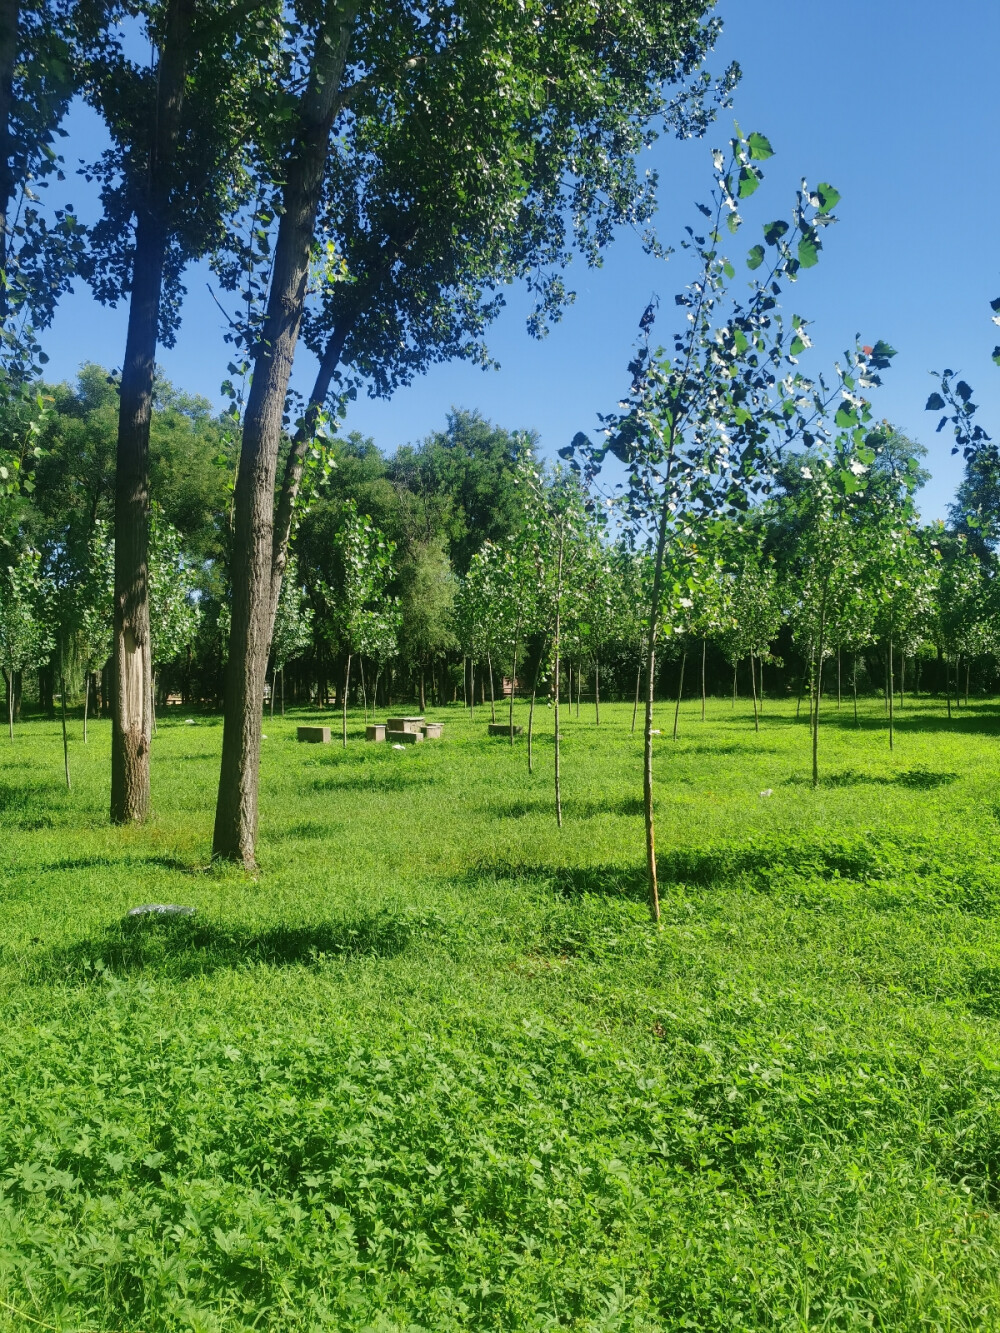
column 493, row 702
column 838, row 679
column 947, row 685
column 854, row 688
column 364, row 692
column 597, row 692
column 635, row 708
column 680, row 691
column 753, row 691
column 472, row 689
column 423, row 691
column 9, row 677
column 736, row 667
column 253, row 499
column 347, row 682
column 513, row 681
column 86, row 703
column 815, row 721
column 62, row 701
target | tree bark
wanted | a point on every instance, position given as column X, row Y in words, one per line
column 253, row 502
column 131, row 702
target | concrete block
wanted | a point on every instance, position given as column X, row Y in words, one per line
column 375, row 733
column 314, row 735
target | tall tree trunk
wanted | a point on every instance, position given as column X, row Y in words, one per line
column 736, row 667
column 753, row 691
column 472, row 691
column 86, row 702
column 423, row 690
column 9, row 677
column 597, row 692
column 253, row 501
column 343, row 714
column 131, row 708
column 892, row 693
column 680, row 691
column 635, row 707
column 62, row 701
column 493, row 702
column 947, row 684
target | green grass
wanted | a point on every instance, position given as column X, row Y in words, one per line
column 434, row 1069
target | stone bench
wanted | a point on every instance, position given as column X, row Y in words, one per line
column 375, row 732
column 503, row 729
column 405, row 737
column 314, row 735
column 396, row 725
column 433, row 731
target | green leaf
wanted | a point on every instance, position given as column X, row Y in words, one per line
column 935, row 403
column 828, row 197
column 760, row 147
column 756, row 257
column 749, row 180
column 797, row 347
column 996, row 356
column 728, row 269
column 733, row 222
column 774, row 231
column 845, row 417
column 809, row 248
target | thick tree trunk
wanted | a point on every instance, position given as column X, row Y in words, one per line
column 253, row 502
column 131, row 704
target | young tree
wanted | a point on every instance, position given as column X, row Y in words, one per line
column 26, row 637
column 96, row 609
column 174, row 610
column 696, row 427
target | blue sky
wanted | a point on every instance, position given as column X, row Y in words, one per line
column 893, row 102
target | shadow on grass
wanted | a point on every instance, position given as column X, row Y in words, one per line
column 573, row 808
column 185, row 946
column 755, row 866
column 164, row 862
column 27, row 805
column 309, row 830
column 373, row 780
column 917, row 779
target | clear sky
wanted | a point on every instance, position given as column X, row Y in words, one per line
column 894, row 102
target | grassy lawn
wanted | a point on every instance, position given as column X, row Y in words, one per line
column 434, row 1070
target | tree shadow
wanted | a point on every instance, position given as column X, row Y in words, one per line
column 917, row 779
column 26, row 805
column 305, row 831
column 109, row 862
column 574, row 807
column 184, row 946
column 377, row 780
column 570, row 881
